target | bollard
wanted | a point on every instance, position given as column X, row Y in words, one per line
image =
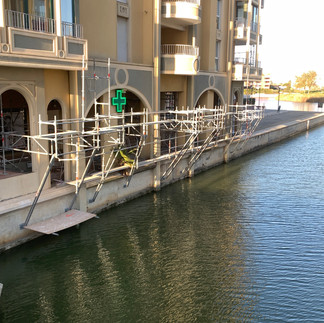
column 1, row 286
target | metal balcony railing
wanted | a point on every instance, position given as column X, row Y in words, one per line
column 72, row 30
column 22, row 20
column 240, row 22
column 176, row 49
column 26, row 21
column 239, row 60
column 197, row 2
column 254, row 27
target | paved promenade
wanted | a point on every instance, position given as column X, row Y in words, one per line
column 273, row 118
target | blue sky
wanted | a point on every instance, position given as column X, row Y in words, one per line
column 293, row 38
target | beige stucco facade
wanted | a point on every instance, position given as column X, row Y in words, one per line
column 163, row 55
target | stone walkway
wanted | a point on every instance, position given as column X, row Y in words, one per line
column 273, row 118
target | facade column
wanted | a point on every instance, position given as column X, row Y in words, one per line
column 156, row 89
column 229, row 67
column 2, row 14
column 192, row 39
column 58, row 19
column 2, row 22
column 249, row 22
column 78, row 167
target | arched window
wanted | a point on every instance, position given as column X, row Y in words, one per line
column 13, row 126
column 54, row 110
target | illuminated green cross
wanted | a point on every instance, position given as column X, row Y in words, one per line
column 118, row 101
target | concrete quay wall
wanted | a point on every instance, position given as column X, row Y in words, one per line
column 54, row 201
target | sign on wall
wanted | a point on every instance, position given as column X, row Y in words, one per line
column 118, row 101
column 122, row 10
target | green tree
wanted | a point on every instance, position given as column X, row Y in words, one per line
column 287, row 86
column 306, row 81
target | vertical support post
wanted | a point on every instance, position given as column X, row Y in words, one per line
column 3, row 34
column 2, row 12
column 83, row 95
column 109, row 94
column 2, row 137
column 39, row 191
column 57, row 9
column 156, row 90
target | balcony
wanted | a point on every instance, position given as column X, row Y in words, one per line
column 241, row 32
column 33, row 41
column 246, row 72
column 180, row 12
column 262, row 4
column 179, row 59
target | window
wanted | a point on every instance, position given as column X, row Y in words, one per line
column 218, row 17
column 239, row 9
column 67, row 11
column 17, row 5
column 39, row 8
column 122, row 37
column 255, row 19
column 218, row 43
column 240, row 14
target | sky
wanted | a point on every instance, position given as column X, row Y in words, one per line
column 293, row 39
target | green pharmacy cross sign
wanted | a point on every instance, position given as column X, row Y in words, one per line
column 118, row 101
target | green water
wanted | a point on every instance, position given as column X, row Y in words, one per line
column 241, row 242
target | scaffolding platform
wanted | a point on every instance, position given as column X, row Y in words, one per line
column 61, row 222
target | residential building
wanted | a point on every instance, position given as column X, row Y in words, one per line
column 247, row 66
column 164, row 55
column 266, row 81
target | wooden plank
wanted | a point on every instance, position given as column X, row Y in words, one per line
column 61, row 222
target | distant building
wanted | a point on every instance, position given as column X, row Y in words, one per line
column 265, row 81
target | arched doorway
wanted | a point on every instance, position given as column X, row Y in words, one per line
column 54, row 110
column 211, row 99
column 169, row 101
column 14, row 125
column 133, row 115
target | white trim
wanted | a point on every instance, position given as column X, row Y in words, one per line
column 2, row 13
column 67, row 40
column 57, row 10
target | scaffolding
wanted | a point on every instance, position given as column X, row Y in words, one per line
column 104, row 137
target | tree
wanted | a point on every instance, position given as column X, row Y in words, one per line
column 306, row 81
column 287, row 86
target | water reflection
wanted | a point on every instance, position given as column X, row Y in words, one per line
column 242, row 242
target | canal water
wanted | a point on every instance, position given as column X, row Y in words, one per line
column 271, row 103
column 241, row 242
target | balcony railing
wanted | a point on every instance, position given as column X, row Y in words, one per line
column 254, row 27
column 176, row 49
column 240, row 22
column 190, row 1
column 239, row 60
column 25, row 21
column 72, row 30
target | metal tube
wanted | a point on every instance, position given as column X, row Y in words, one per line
column 3, row 137
column 38, row 193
